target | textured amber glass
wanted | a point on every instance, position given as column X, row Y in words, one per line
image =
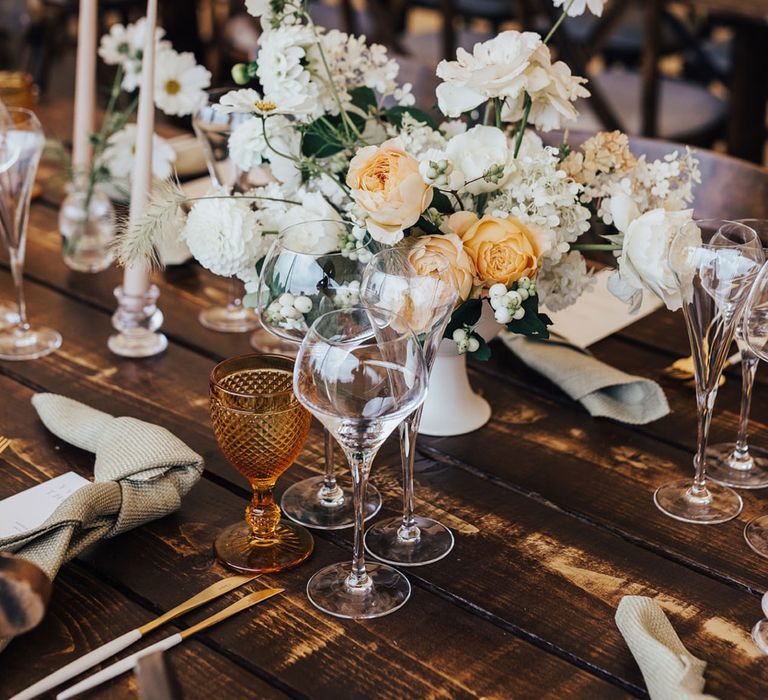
column 261, row 428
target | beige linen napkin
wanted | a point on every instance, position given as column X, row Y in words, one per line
column 669, row 670
column 603, row 390
column 141, row 473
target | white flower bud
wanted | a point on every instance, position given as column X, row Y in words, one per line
column 290, row 312
column 459, row 335
column 503, row 316
column 519, row 314
column 524, row 282
column 513, row 299
column 286, row 299
column 302, row 304
column 523, row 293
column 473, row 345
column 498, row 303
column 498, row 290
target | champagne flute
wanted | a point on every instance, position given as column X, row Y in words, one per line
column 755, row 329
column 261, row 429
column 742, row 465
column 305, row 275
column 360, row 376
column 21, row 145
column 715, row 263
column 213, row 129
column 422, row 302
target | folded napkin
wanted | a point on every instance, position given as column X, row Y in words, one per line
column 141, row 473
column 603, row 390
column 669, row 670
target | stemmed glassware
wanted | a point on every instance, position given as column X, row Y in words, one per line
column 261, row 429
column 361, row 376
column 422, row 302
column 755, row 329
column 21, row 145
column 715, row 263
column 742, row 465
column 213, row 129
column 304, row 276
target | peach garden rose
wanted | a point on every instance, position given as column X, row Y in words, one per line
column 429, row 252
column 387, row 187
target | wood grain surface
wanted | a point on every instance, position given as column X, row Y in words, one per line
column 551, row 509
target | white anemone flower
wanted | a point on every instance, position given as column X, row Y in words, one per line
column 121, row 148
column 578, row 7
column 180, row 83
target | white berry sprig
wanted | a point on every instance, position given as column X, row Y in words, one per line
column 508, row 303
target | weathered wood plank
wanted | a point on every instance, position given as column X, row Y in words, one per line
column 290, row 640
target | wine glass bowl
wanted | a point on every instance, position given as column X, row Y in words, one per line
column 715, row 263
column 305, row 275
column 260, row 428
column 360, row 376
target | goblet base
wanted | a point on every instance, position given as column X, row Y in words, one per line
column 302, row 504
column 229, row 319
column 760, row 635
column 237, row 549
column 383, row 541
column 756, row 535
column 386, row 591
column 676, row 500
column 724, row 467
column 28, row 344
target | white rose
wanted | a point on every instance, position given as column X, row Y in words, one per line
column 475, row 151
column 644, row 260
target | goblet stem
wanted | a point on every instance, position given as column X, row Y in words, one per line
column 330, row 493
column 741, row 456
column 409, row 430
column 17, row 264
column 263, row 515
column 360, row 466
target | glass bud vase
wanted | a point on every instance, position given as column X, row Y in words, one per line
column 87, row 227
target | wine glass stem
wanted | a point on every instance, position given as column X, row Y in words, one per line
column 360, row 466
column 235, row 300
column 749, row 364
column 17, row 264
column 409, row 430
column 330, row 492
column 705, row 400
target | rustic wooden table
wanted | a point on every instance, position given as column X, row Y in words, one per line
column 552, row 512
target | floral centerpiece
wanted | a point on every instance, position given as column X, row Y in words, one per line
column 338, row 137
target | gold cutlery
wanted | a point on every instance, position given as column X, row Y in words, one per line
column 103, row 652
column 130, row 662
column 682, row 369
column 4, row 442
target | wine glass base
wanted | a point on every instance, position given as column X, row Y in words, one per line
column 674, row 499
column 756, row 535
column 30, row 344
column 760, row 635
column 720, row 469
column 234, row 548
column 301, row 503
column 387, row 590
column 435, row 541
column 263, row 341
column 229, row 320
column 8, row 316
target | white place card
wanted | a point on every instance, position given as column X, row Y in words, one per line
column 31, row 508
column 597, row 314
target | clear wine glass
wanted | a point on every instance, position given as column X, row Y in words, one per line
column 213, row 129
column 715, row 263
column 422, row 302
column 21, row 145
column 360, row 376
column 742, row 465
column 755, row 329
column 305, row 275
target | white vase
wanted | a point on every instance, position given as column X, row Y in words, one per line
column 452, row 407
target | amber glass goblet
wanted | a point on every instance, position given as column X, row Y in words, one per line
column 261, row 429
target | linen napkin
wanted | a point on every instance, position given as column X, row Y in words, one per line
column 603, row 390
column 669, row 670
column 141, row 473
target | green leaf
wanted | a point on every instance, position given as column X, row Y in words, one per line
column 427, row 226
column 468, row 314
column 363, row 98
column 441, row 202
column 319, row 142
column 395, row 116
column 533, row 324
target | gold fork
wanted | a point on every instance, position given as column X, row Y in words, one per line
column 4, row 442
column 683, row 368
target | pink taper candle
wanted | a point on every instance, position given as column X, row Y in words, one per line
column 85, row 86
column 136, row 277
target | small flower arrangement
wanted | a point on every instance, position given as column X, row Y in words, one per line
column 339, row 138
